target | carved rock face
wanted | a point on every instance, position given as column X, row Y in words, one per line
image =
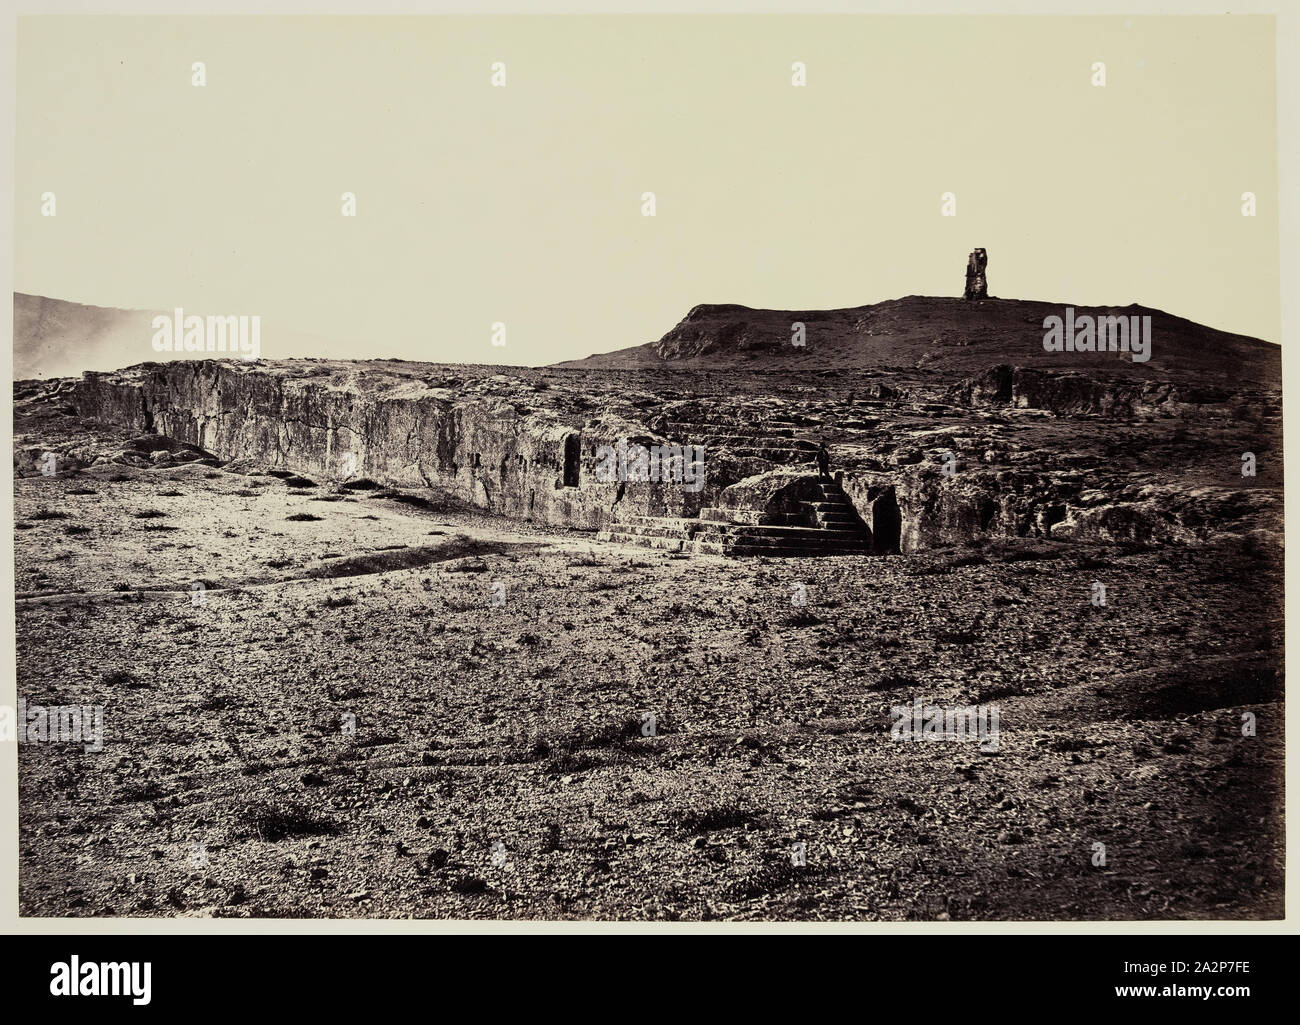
column 977, row 286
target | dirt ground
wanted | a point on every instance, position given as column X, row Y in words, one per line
column 331, row 702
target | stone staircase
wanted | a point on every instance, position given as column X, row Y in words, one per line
column 773, row 439
column 826, row 525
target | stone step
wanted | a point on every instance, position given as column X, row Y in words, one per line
column 834, row 519
column 747, row 443
column 683, row 427
column 666, row 544
column 750, row 446
column 797, row 535
column 753, row 517
column 714, row 546
column 772, row 455
column 650, row 530
column 834, row 530
column 727, row 545
column 758, row 439
column 658, row 521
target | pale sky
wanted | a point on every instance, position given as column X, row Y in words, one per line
column 478, row 204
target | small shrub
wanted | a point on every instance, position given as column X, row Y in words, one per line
column 713, row 818
column 277, row 821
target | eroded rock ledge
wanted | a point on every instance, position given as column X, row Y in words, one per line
column 496, row 448
column 1007, row 452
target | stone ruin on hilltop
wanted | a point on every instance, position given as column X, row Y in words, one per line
column 977, row 286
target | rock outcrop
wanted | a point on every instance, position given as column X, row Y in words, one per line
column 1010, row 452
column 506, row 454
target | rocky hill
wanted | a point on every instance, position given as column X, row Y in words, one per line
column 947, row 337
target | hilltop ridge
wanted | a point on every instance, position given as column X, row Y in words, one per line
column 940, row 335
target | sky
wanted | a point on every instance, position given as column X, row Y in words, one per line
column 522, row 205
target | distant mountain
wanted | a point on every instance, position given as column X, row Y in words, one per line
column 944, row 336
column 55, row 338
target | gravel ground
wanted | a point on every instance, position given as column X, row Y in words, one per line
column 329, row 702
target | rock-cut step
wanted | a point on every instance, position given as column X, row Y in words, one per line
column 829, row 526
